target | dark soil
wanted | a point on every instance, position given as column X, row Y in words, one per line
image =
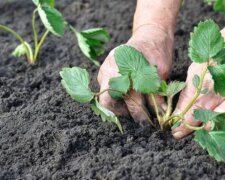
column 46, row 135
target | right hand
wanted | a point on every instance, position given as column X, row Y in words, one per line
column 156, row 44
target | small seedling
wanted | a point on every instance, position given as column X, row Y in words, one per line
column 90, row 41
column 218, row 5
column 206, row 46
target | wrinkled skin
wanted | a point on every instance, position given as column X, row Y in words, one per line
column 156, row 44
column 210, row 101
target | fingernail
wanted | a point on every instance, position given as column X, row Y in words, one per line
column 164, row 106
column 178, row 135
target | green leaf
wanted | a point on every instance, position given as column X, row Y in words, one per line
column 206, row 41
column 171, row 89
column 204, row 115
column 219, row 6
column 217, row 119
column 175, row 87
column 106, row 115
column 220, row 57
column 196, row 81
column 218, row 124
column 146, row 81
column 52, row 20
column 76, row 82
column 205, row 91
column 176, row 125
column 131, row 62
column 213, row 142
column 91, row 42
column 218, row 75
column 163, row 88
column 50, row 3
column 22, row 50
column 121, row 84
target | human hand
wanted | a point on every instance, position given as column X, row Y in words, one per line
column 210, row 101
column 156, row 43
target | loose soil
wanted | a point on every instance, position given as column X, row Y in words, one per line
column 46, row 135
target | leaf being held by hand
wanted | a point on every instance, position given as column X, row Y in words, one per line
column 106, row 115
column 91, row 42
column 218, row 75
column 204, row 115
column 206, row 41
column 52, row 20
column 76, row 82
column 120, row 86
column 213, row 142
column 217, row 119
column 22, row 50
column 131, row 62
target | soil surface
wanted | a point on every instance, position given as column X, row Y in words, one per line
column 46, row 135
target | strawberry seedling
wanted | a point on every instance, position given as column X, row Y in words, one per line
column 90, row 41
column 206, row 47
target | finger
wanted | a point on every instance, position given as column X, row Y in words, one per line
column 160, row 101
column 136, row 106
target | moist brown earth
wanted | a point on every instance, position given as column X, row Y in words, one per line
column 44, row 134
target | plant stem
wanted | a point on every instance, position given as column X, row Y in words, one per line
column 155, row 106
column 192, row 127
column 73, row 29
column 169, row 109
column 37, row 49
column 198, row 92
column 34, row 28
column 22, row 41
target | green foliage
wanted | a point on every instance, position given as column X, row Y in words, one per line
column 171, row 89
column 52, row 20
column 91, row 42
column 212, row 141
column 132, row 63
column 120, row 86
column 196, row 81
column 204, row 115
column 22, row 50
column 218, row 75
column 76, row 82
column 220, row 57
column 206, row 41
column 106, row 115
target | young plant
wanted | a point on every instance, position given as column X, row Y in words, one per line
column 218, row 5
column 206, row 46
column 90, row 41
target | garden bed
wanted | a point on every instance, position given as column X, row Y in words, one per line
column 46, row 135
